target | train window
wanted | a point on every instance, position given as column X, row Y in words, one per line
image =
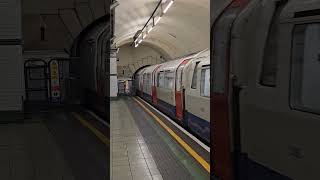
column 137, row 81
column 194, row 77
column 305, row 84
column 205, row 82
column 168, row 80
column 161, row 79
column 149, row 82
column 144, row 82
column 269, row 66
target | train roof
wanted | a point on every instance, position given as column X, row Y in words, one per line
column 172, row 65
column 204, row 57
column 150, row 69
column 140, row 71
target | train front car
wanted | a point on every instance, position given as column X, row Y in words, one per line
column 266, row 102
column 147, row 83
column 138, row 77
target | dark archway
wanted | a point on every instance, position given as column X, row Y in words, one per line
column 134, row 74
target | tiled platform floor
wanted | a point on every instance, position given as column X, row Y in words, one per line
column 131, row 159
column 29, row 152
column 51, row 146
column 142, row 149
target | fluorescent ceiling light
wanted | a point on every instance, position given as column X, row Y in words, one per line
column 113, row 37
column 139, row 36
column 149, row 30
column 140, row 41
column 114, row 5
column 156, row 22
column 144, row 35
column 169, row 5
column 136, row 45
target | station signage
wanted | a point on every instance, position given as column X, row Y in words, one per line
column 55, row 83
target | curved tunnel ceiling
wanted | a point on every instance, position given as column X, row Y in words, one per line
column 184, row 29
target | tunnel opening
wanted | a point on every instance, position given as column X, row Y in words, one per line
column 134, row 74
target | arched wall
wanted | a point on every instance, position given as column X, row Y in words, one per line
column 130, row 59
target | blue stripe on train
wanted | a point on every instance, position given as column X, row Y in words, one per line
column 167, row 108
column 199, row 126
column 147, row 97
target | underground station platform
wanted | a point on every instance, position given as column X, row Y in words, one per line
column 146, row 144
column 76, row 144
column 57, row 144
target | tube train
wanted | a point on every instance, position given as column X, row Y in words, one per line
column 265, row 99
column 180, row 89
column 90, row 82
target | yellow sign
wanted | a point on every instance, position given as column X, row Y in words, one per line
column 55, row 84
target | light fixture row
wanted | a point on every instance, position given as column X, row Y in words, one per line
column 154, row 21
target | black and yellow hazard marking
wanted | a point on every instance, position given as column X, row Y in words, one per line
column 192, row 152
column 96, row 132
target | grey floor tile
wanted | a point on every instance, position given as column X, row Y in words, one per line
column 120, row 163
column 134, row 160
column 121, row 170
column 138, row 162
column 126, row 136
column 135, row 155
column 28, row 152
column 157, row 177
column 121, row 177
column 154, row 171
column 140, row 177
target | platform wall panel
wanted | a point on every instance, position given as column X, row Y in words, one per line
column 113, row 86
column 10, row 19
column 11, row 78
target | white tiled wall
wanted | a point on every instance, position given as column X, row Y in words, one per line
column 11, row 64
column 113, row 78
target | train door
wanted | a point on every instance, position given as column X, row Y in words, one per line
column 144, row 84
column 179, row 91
column 136, row 83
column 154, row 88
column 220, row 125
column 141, row 83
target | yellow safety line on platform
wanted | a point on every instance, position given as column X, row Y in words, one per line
column 192, row 152
column 96, row 132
